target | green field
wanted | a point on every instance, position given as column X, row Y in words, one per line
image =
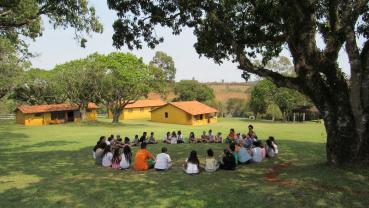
column 52, row 166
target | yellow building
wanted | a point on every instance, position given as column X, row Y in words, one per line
column 52, row 114
column 140, row 110
column 187, row 112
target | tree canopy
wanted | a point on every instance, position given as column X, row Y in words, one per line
column 22, row 18
column 187, row 90
column 241, row 31
column 165, row 63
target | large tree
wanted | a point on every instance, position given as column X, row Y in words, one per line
column 165, row 63
column 81, row 81
column 22, row 18
column 241, row 30
column 187, row 90
column 127, row 80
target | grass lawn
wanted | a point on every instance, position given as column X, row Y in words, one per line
column 52, row 166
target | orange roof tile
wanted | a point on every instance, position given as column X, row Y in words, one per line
column 146, row 103
column 193, row 107
column 52, row 108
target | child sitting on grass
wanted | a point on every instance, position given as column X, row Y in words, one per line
column 126, row 158
column 211, row 137
column 107, row 156
column 218, row 138
column 135, row 141
column 228, row 162
column 116, row 159
column 173, row 138
column 167, row 138
column 231, row 136
column 180, row 138
column 257, row 155
column 163, row 161
column 204, row 137
column 191, row 138
column 270, row 151
column 192, row 164
column 143, row 159
column 274, row 143
column 211, row 164
column 152, row 139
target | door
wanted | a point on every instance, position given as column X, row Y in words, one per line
column 70, row 116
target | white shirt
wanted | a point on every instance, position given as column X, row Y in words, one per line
column 124, row 163
column 275, row 147
column 192, row 168
column 163, row 161
column 173, row 140
column 257, row 155
column 107, row 142
column 180, row 137
column 106, row 161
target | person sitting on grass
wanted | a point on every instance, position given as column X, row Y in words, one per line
column 269, row 147
column 110, row 140
column 233, row 148
column 218, row 138
column 143, row 138
column 167, row 138
column 244, row 156
column 227, row 162
column 107, row 156
column 192, row 164
column 211, row 164
column 126, row 158
column 143, row 159
column 231, row 136
column 274, row 144
column 211, row 137
column 127, row 141
column 180, row 138
column 99, row 153
column 116, row 159
column 163, row 161
column 251, row 132
column 204, row 137
column 101, row 140
column 256, row 153
column 152, row 139
column 191, row 138
column 263, row 149
column 135, row 141
column 173, row 138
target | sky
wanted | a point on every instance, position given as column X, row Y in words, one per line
column 58, row 46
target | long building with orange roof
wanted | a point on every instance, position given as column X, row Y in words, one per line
column 185, row 112
column 140, row 110
column 35, row 115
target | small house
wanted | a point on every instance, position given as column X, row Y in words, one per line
column 52, row 114
column 140, row 110
column 186, row 112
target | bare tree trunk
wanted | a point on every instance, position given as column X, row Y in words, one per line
column 116, row 114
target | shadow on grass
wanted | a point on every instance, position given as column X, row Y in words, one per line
column 110, row 124
column 71, row 179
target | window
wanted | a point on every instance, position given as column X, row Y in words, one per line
column 142, row 109
column 38, row 114
column 88, row 110
column 166, row 114
column 201, row 117
column 130, row 110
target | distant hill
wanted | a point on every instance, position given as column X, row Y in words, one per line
column 222, row 91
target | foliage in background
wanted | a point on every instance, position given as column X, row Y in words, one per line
column 20, row 19
column 237, row 107
column 165, row 62
column 187, row 90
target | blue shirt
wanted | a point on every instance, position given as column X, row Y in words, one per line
column 243, row 155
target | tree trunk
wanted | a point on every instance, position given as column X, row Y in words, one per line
column 116, row 114
column 83, row 114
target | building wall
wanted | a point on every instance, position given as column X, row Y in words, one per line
column 178, row 116
column 33, row 119
column 175, row 116
column 90, row 116
column 134, row 113
column 19, row 118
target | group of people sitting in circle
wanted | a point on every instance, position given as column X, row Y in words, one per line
column 239, row 150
